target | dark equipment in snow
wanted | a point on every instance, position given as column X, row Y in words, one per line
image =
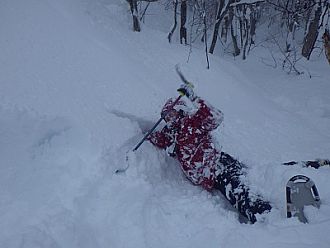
column 300, row 192
column 311, row 163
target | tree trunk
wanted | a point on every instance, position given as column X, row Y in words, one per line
column 221, row 4
column 205, row 36
column 312, row 34
column 247, row 34
column 241, row 20
column 175, row 21
column 253, row 23
column 326, row 42
column 183, row 29
column 134, row 11
column 224, row 31
column 236, row 51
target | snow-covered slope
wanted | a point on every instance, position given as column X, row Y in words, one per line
column 76, row 85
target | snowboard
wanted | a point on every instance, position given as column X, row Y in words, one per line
column 300, row 192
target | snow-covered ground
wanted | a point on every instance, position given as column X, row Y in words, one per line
column 77, row 87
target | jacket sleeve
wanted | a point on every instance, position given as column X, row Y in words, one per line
column 208, row 116
column 161, row 139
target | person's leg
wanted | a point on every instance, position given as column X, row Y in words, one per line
column 238, row 194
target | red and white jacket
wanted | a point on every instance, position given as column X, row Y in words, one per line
column 192, row 143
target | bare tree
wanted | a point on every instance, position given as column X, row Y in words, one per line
column 326, row 43
column 295, row 26
column 222, row 10
column 169, row 36
column 135, row 14
column 183, row 29
column 133, row 4
column 183, row 20
column 238, row 17
column 304, row 17
column 313, row 32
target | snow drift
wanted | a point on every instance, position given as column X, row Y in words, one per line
column 68, row 66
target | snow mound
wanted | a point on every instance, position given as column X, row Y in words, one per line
column 77, row 91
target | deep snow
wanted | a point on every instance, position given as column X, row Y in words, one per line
column 67, row 68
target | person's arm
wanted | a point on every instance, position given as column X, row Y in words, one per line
column 161, row 139
column 208, row 116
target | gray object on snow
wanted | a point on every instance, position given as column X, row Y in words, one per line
column 300, row 192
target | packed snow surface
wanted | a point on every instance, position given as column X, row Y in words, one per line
column 78, row 89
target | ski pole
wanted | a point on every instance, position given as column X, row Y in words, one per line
column 145, row 137
column 185, row 81
column 177, row 68
column 154, row 127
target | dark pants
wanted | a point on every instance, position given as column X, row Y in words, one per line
column 238, row 194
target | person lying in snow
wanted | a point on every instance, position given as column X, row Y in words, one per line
column 187, row 137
